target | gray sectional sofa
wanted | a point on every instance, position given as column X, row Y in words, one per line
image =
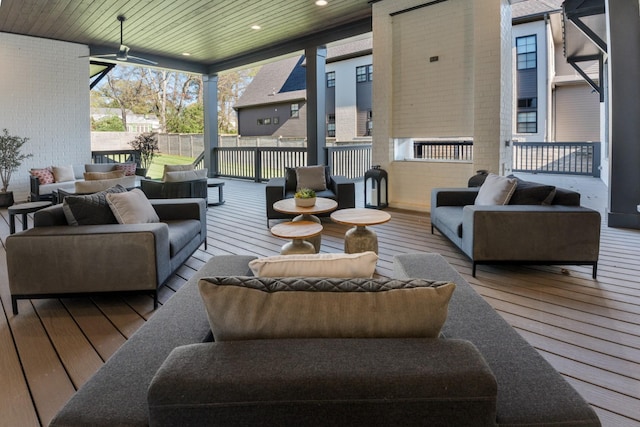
column 526, row 231
column 115, row 257
column 480, row 372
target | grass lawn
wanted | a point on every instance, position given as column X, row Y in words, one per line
column 159, row 160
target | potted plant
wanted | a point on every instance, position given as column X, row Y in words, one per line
column 146, row 144
column 305, row 197
column 10, row 161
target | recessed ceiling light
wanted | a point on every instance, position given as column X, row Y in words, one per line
column 321, row 2
column 186, row 54
column 256, row 27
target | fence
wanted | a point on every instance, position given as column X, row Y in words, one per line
column 575, row 158
column 443, row 150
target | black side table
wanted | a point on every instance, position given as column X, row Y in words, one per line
column 24, row 209
column 212, row 182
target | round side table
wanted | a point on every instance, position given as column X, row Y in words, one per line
column 23, row 209
column 360, row 238
column 216, row 183
column 298, row 231
column 322, row 205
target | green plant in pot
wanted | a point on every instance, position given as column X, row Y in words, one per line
column 305, row 197
column 146, row 144
column 10, row 160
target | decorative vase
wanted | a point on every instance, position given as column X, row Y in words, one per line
column 6, row 199
column 305, row 203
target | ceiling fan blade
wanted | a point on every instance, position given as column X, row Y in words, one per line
column 132, row 58
column 106, row 55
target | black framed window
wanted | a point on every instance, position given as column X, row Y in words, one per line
column 260, row 122
column 364, row 73
column 295, row 111
column 331, row 79
column 331, row 125
column 275, row 120
column 526, row 50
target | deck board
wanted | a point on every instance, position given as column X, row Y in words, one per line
column 589, row 330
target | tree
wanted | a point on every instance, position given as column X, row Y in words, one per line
column 108, row 124
column 127, row 92
column 189, row 120
column 231, row 85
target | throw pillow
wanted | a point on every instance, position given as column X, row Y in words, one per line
column 128, row 168
column 496, row 190
column 132, row 207
column 92, row 176
column 531, row 193
column 176, row 168
column 316, row 265
column 181, row 176
column 63, row 173
column 241, row 308
column 45, row 175
column 91, row 209
column 311, row 177
column 93, row 186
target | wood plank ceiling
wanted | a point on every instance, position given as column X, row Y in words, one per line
column 217, row 34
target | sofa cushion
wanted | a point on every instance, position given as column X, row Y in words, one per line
column 176, row 168
column 316, row 265
column 93, row 186
column 496, row 190
column 181, row 232
column 99, row 167
column 44, row 175
column 450, row 217
column 63, row 173
column 312, row 177
column 92, row 176
column 188, row 175
column 531, row 193
column 91, row 209
column 242, row 308
column 132, row 207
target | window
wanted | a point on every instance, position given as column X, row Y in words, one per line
column 260, row 122
column 267, row 121
column 331, row 79
column 275, row 120
column 364, row 73
column 295, row 111
column 526, row 51
column 528, row 103
column 528, row 122
column 331, row 125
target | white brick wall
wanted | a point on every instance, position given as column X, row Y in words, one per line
column 467, row 92
column 45, row 97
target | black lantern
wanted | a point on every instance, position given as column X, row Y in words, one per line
column 376, row 188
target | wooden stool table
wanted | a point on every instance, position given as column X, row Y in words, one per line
column 360, row 238
column 298, row 231
column 216, row 183
column 23, row 209
column 322, row 205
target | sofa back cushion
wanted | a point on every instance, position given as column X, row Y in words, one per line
column 176, row 168
column 361, row 264
column 186, row 175
column 531, row 193
column 243, row 307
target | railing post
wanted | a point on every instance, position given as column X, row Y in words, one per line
column 257, row 164
column 596, row 159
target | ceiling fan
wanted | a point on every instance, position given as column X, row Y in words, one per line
column 123, row 52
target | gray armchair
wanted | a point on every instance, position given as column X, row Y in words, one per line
column 174, row 190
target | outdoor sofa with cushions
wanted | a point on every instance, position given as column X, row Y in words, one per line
column 44, row 181
column 178, row 181
column 335, row 187
column 480, row 371
column 539, row 224
column 102, row 255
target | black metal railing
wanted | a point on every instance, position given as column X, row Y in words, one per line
column 574, row 158
column 115, row 156
column 443, row 150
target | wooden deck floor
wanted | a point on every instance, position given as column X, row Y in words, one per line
column 589, row 330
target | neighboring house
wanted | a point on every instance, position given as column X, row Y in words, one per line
column 552, row 101
column 274, row 104
column 135, row 122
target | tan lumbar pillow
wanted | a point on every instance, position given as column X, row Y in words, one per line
column 176, row 168
column 92, row 176
column 181, row 176
column 95, row 185
column 132, row 207
column 241, row 307
column 361, row 264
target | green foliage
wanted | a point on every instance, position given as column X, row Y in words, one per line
column 189, row 120
column 147, row 145
column 108, row 124
column 10, row 156
column 305, row 193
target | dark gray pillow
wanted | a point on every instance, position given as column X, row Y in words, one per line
column 91, row 209
column 531, row 193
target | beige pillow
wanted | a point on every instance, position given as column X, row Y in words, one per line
column 180, row 176
column 496, row 190
column 93, row 186
column 132, row 207
column 92, row 176
column 241, row 308
column 176, row 168
column 361, row 264
column 63, row 173
column 311, row 177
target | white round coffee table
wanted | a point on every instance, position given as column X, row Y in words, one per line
column 360, row 238
column 323, row 205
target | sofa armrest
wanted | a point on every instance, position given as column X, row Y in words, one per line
column 274, row 191
column 188, row 208
column 453, row 196
column 67, row 255
column 380, row 381
column 345, row 191
column 531, row 233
